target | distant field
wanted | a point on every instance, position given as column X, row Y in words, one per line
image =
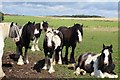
column 96, row 32
column 59, row 22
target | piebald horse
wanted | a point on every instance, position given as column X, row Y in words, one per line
column 98, row 65
column 52, row 46
column 27, row 35
column 7, row 30
column 38, row 29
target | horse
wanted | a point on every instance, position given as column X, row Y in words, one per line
column 7, row 30
column 52, row 46
column 38, row 29
column 98, row 65
column 71, row 36
column 27, row 35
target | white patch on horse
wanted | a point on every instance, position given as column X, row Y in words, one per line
column 33, row 45
column 51, row 70
column 56, row 31
column 56, row 39
column 106, row 52
column 79, row 36
column 110, row 75
column 36, row 31
column 41, row 25
column 20, row 61
column 36, row 45
column 89, row 59
column 49, row 35
column 60, row 60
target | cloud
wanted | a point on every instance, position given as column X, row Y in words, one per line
column 108, row 9
column 60, row 0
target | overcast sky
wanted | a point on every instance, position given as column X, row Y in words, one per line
column 106, row 9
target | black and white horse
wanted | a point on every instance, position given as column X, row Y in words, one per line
column 7, row 30
column 71, row 36
column 27, row 34
column 38, row 29
column 52, row 45
column 99, row 65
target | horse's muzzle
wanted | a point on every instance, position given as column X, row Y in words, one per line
column 33, row 38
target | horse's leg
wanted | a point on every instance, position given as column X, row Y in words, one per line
column 78, row 67
column 33, row 45
column 17, row 55
column 25, row 56
column 46, row 61
column 52, row 57
column 36, row 44
column 66, row 56
column 20, row 60
column 110, row 75
column 60, row 57
column 72, row 59
column 2, row 74
column 97, row 73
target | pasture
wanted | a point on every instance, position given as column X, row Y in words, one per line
column 96, row 32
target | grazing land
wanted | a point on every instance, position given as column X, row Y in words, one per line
column 96, row 32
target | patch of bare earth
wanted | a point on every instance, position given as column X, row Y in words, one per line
column 33, row 70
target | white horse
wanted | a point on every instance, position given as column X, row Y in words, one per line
column 7, row 30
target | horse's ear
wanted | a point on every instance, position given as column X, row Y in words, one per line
column 11, row 24
column 16, row 23
column 28, row 22
column 43, row 21
column 33, row 22
column 111, row 46
column 82, row 25
column 103, row 46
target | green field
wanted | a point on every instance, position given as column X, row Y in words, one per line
column 95, row 34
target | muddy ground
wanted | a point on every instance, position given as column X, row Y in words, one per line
column 33, row 70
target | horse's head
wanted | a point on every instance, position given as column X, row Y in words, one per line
column 45, row 25
column 106, row 55
column 79, row 30
column 48, row 35
column 14, row 32
column 28, row 30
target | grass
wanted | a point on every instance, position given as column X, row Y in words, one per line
column 92, row 41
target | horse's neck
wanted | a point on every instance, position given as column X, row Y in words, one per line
column 4, row 29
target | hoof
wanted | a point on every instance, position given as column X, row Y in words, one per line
column 33, row 50
column 51, row 71
column 27, row 61
column 116, row 76
column 20, row 63
column 59, row 62
column 45, row 68
column 38, row 49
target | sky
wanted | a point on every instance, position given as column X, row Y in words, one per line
column 41, row 8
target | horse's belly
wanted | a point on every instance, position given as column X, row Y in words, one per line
column 89, row 68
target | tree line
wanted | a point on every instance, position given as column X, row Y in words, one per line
column 80, row 16
column 1, row 16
